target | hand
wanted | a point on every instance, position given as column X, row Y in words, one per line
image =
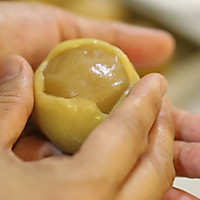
column 35, row 32
column 187, row 149
column 52, row 25
column 32, row 30
column 129, row 156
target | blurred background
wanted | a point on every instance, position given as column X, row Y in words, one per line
column 182, row 19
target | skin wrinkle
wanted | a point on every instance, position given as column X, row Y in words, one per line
column 193, row 133
column 93, row 29
column 178, row 162
column 78, row 23
column 13, row 91
column 181, row 120
column 185, row 153
column 69, row 21
column 9, row 98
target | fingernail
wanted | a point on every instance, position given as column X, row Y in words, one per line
column 163, row 85
column 9, row 69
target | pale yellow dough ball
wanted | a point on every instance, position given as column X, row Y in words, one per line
column 76, row 88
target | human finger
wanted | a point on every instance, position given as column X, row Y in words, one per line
column 33, row 145
column 153, row 175
column 187, row 159
column 187, row 125
column 29, row 30
column 177, row 194
column 31, row 148
column 145, row 47
column 115, row 146
column 16, row 98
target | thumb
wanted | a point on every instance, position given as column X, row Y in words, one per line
column 16, row 98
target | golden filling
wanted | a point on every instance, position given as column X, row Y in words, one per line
column 88, row 72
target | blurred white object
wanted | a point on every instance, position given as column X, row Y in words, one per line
column 180, row 16
column 189, row 185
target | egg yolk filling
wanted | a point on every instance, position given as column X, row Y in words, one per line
column 88, row 72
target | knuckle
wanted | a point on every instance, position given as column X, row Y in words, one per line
column 11, row 99
column 185, row 154
column 8, row 99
